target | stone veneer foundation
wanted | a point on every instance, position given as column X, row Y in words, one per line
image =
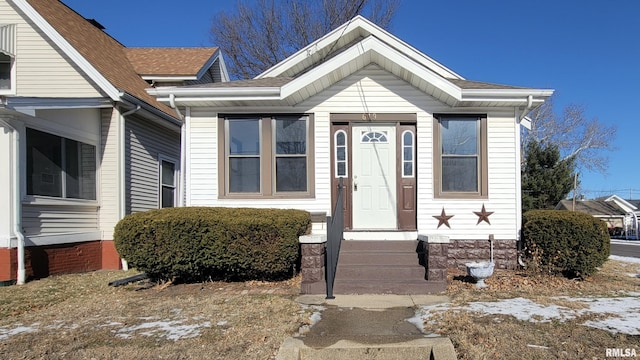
column 505, row 253
column 440, row 254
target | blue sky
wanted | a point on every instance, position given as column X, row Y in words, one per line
column 588, row 51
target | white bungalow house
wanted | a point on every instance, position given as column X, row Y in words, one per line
column 81, row 142
column 425, row 154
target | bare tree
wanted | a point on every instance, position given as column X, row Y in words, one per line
column 576, row 136
column 258, row 35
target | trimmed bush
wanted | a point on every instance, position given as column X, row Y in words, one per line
column 572, row 243
column 198, row 243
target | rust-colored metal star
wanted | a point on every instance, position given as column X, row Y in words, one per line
column 483, row 215
column 443, row 218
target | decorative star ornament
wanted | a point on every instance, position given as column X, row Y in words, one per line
column 483, row 215
column 443, row 218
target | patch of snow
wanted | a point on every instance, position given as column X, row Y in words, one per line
column 222, row 323
column 625, row 259
column 170, row 329
column 5, row 333
column 620, row 313
column 314, row 318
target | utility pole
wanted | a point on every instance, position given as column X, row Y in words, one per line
column 575, row 185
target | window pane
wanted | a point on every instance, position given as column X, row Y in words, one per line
column 168, row 196
column 5, row 71
column 407, row 169
column 459, row 174
column 80, row 161
column 244, row 174
column 341, row 154
column 44, row 164
column 459, row 137
column 340, row 139
column 291, row 174
column 291, row 136
column 407, row 139
column 374, row 136
column 342, row 169
column 244, row 137
column 168, row 173
column 408, row 154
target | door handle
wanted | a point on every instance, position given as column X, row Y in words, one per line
column 355, row 186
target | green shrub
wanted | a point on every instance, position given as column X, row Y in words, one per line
column 572, row 243
column 198, row 243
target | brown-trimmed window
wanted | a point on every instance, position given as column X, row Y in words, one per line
column 460, row 148
column 268, row 156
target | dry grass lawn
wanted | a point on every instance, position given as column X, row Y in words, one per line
column 481, row 336
column 81, row 317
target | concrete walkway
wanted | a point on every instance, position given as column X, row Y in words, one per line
column 368, row 327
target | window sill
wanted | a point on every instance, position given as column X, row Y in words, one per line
column 294, row 196
column 460, row 196
column 52, row 201
column 7, row 92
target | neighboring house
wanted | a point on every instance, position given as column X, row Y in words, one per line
column 607, row 211
column 424, row 152
column 81, row 142
column 620, row 215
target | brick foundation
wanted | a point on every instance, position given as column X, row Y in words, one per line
column 42, row 261
column 505, row 253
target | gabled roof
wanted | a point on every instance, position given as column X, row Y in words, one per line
column 101, row 57
column 593, row 207
column 346, row 50
column 624, row 204
column 184, row 63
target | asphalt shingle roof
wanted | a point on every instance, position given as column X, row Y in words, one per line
column 103, row 52
column 169, row 61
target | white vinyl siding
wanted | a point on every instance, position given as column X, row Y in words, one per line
column 41, row 68
column 109, row 188
column 59, row 219
column 145, row 144
column 374, row 90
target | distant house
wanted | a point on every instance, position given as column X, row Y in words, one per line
column 424, row 153
column 81, row 142
column 620, row 215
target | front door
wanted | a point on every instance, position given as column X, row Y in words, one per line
column 373, row 182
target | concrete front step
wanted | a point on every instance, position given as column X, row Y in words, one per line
column 416, row 287
column 437, row 348
column 378, row 257
column 380, row 272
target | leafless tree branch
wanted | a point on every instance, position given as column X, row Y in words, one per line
column 254, row 38
column 586, row 140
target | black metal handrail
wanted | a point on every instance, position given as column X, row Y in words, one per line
column 335, row 228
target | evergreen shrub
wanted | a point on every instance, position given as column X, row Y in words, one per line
column 200, row 243
column 566, row 242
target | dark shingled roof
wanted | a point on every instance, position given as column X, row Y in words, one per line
column 592, row 207
column 264, row 82
column 468, row 84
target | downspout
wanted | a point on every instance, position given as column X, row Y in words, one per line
column 526, row 110
column 183, row 150
column 17, row 205
column 121, row 166
column 522, row 115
